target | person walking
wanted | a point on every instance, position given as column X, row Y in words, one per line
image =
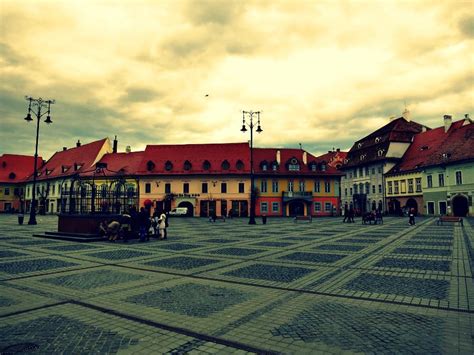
column 155, row 221
column 162, row 227
column 346, row 214
column 411, row 217
column 143, row 220
column 351, row 215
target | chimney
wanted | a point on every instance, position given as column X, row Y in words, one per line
column 278, row 158
column 128, row 149
column 466, row 116
column 78, row 144
column 115, row 145
column 447, row 122
column 406, row 114
column 305, row 157
column 64, row 149
column 423, row 129
column 338, row 150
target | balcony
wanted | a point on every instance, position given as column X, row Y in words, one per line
column 301, row 195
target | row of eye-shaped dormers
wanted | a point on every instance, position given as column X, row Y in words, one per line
column 292, row 164
column 187, row 165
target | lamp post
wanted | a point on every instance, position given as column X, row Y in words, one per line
column 39, row 104
column 259, row 129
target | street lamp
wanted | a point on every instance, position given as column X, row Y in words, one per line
column 39, row 104
column 259, row 129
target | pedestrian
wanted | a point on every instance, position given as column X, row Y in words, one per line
column 125, row 230
column 346, row 214
column 411, row 217
column 162, row 226
column 155, row 221
column 351, row 215
column 379, row 217
column 143, row 224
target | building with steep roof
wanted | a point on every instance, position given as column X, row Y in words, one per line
column 370, row 158
column 293, row 182
column 14, row 172
column 61, row 169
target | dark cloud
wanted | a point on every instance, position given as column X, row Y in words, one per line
column 140, row 94
column 222, row 13
column 10, row 56
column 466, row 26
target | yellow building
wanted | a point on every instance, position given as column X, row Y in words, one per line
column 404, row 191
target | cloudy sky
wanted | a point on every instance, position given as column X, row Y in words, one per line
column 323, row 73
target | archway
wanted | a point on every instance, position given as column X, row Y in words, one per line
column 189, row 206
column 411, row 203
column 394, row 207
column 296, row 208
column 460, row 206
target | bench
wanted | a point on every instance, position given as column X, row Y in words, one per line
column 452, row 219
column 303, row 218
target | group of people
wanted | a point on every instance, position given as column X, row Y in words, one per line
column 135, row 224
column 375, row 216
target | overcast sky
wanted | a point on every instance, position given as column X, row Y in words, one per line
column 323, row 73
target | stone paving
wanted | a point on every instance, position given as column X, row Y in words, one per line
column 231, row 288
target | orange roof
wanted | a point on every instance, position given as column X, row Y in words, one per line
column 16, row 168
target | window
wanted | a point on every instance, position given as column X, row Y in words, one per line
column 429, row 181
column 168, row 166
column 403, row 186
column 263, row 186
column 275, row 207
column 293, row 167
column 317, row 186
column 313, row 166
column 274, row 186
column 6, row 192
column 380, row 188
column 396, row 189
column 290, row 186
column 373, row 189
column 356, row 189
column 223, row 187
column 301, row 185
column 187, row 165
column 206, row 165
column 350, row 190
column 418, row 184
column 458, row 177
column 430, row 207
column 150, row 165
column 17, row 191
column 390, row 187
column 410, row 186
column 317, row 207
column 242, row 187
column 355, row 173
column 367, row 171
column 263, row 207
column 275, row 166
column 379, row 170
column 345, row 191
column 367, row 188
column 54, row 189
column 361, row 172
column 442, row 207
column 373, row 171
column 441, row 179
column 147, row 188
column 327, row 186
column 204, row 188
column 225, row 165
column 186, row 188
column 167, row 188
column 264, row 167
column 239, row 165
column 327, row 206
column 323, row 167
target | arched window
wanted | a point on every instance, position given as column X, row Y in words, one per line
column 150, row 165
column 206, row 165
column 168, row 166
column 225, row 165
column 380, row 152
column 293, row 165
column 275, row 166
column 187, row 165
column 12, row 176
column 323, row 166
column 239, row 165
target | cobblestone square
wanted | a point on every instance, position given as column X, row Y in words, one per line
column 320, row 287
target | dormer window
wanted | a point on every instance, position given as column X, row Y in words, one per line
column 323, row 166
column 275, row 166
column 377, row 139
column 150, row 166
column 206, row 165
column 64, row 169
column 313, row 166
column 48, row 171
column 77, row 166
column 359, row 145
column 239, row 165
column 446, row 155
column 225, row 165
column 380, row 152
column 425, row 147
column 12, row 176
column 362, row 157
column 294, row 165
column 168, row 166
column 264, row 165
column 187, row 165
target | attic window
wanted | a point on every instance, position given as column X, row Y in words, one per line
column 313, row 166
column 425, row 147
column 377, row 139
column 187, row 165
column 294, row 165
column 168, row 166
column 12, row 176
column 323, row 166
column 64, row 169
column 275, row 166
column 362, row 157
column 225, row 165
column 264, row 165
column 206, row 165
column 150, row 165
column 346, row 161
column 446, row 155
column 380, row 152
column 239, row 165
column 359, row 145
column 77, row 166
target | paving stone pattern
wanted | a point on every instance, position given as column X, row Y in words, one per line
column 234, row 288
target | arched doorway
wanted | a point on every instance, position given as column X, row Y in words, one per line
column 296, row 208
column 411, row 203
column 189, row 206
column 394, row 207
column 374, row 205
column 460, row 206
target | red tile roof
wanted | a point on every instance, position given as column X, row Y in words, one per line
column 156, row 157
column 269, row 155
column 17, row 168
column 119, row 164
column 71, row 161
column 335, row 158
column 437, row 147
